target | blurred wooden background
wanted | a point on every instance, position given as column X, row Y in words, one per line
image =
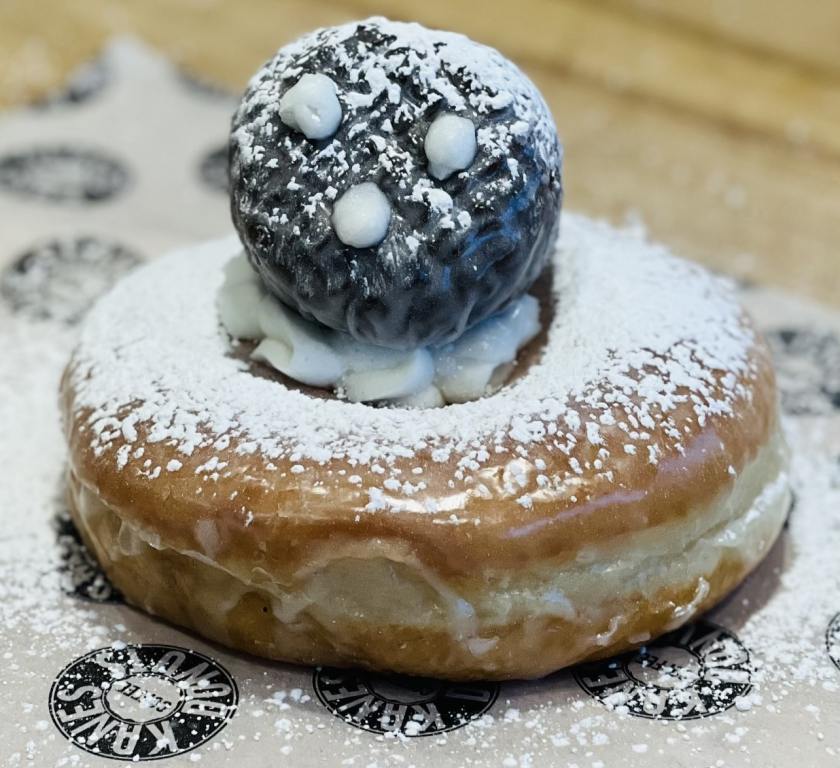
column 716, row 123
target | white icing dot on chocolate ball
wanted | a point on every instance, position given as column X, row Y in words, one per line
column 312, row 107
column 361, row 216
column 450, row 145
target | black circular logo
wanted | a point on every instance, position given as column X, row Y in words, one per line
column 214, row 169
column 411, row 706
column 60, row 279
column 794, row 500
column 808, row 370
column 81, row 575
column 142, row 702
column 63, row 174
column 697, row 671
column 832, row 640
column 84, row 84
column 203, row 87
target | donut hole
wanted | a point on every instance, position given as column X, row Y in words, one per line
column 388, row 112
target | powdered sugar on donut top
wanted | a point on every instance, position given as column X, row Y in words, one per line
column 153, row 350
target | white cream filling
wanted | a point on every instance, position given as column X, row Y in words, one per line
column 450, row 145
column 361, row 216
column 470, row 367
column 311, row 106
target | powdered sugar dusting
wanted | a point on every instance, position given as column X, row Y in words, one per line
column 498, row 84
column 170, row 369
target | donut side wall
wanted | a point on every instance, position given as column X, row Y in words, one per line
column 386, row 610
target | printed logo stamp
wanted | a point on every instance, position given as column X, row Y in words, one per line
column 61, row 278
column 142, row 702
column 213, row 169
column 807, row 370
column 84, row 84
column 63, row 174
column 81, row 575
column 410, row 706
column 832, row 640
column 697, row 671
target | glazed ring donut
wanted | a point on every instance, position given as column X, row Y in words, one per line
column 628, row 477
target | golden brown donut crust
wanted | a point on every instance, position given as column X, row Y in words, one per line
column 187, row 592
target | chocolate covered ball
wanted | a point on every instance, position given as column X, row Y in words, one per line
column 394, row 182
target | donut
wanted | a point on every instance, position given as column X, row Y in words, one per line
column 626, row 477
column 380, row 168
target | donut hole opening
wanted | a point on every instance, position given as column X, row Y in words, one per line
column 505, row 375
